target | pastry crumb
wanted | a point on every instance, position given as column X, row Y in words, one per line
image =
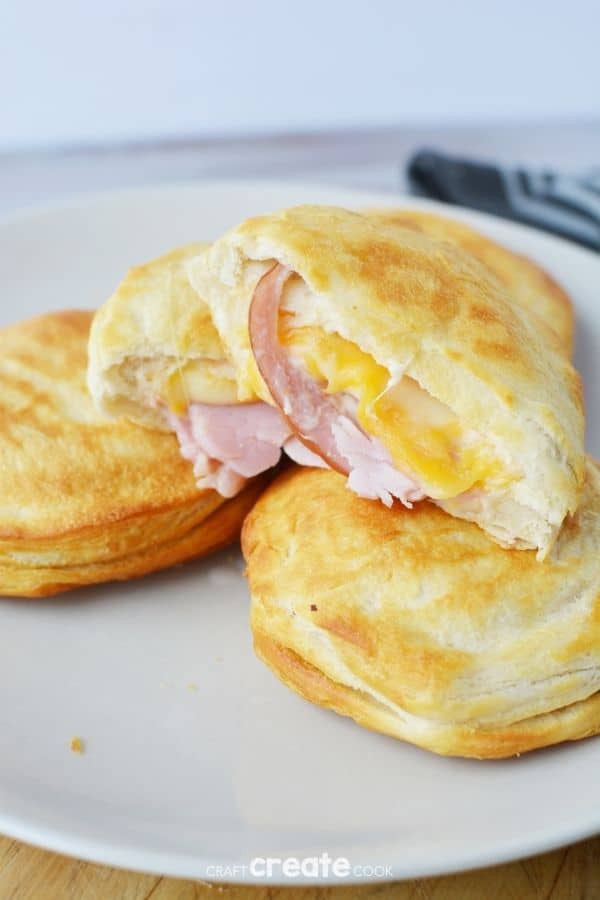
column 192, row 686
column 77, row 745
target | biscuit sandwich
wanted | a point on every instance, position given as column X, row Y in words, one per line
column 400, row 361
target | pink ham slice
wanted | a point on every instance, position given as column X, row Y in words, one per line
column 325, row 424
column 310, row 411
column 230, row 443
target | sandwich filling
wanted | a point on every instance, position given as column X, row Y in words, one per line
column 226, row 441
column 229, row 443
column 324, row 423
column 391, row 438
column 333, row 406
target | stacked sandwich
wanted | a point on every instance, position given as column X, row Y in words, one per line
column 428, row 566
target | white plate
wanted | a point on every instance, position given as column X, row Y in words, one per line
column 179, row 781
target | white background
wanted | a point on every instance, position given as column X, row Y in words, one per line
column 78, row 72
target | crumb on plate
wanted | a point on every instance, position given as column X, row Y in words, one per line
column 76, row 744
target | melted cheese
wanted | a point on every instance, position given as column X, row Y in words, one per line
column 200, row 381
column 424, row 437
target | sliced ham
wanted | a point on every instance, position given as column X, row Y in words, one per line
column 371, row 472
column 325, row 424
column 230, row 443
column 310, row 411
column 300, row 453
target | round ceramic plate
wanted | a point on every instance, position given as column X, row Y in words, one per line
column 197, row 759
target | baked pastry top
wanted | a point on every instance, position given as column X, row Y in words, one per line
column 527, row 283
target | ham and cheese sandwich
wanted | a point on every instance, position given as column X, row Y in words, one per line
column 399, row 361
column 527, row 283
column 156, row 358
column 415, row 624
column 85, row 500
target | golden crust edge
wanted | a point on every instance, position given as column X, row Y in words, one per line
column 574, row 722
column 218, row 530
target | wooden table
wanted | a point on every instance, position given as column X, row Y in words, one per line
column 369, row 159
column 572, row 873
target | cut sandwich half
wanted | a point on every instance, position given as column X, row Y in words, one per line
column 156, row 358
column 399, row 361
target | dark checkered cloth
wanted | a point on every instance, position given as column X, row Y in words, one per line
column 563, row 204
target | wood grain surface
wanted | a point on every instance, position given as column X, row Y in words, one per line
column 572, row 873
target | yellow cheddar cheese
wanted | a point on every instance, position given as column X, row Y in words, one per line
column 199, row 381
column 424, row 437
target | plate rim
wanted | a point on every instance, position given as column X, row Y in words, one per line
column 185, row 866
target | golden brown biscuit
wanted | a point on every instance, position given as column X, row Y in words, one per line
column 84, row 499
column 154, row 340
column 417, row 625
column 156, row 357
column 456, row 390
column 526, row 282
